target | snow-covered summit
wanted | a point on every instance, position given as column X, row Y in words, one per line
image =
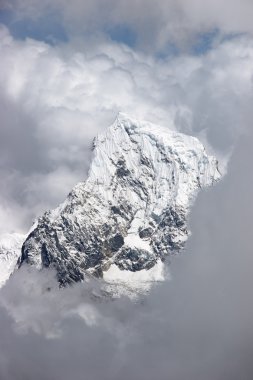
column 168, row 151
column 131, row 211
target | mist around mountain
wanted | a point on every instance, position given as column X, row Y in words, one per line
column 67, row 69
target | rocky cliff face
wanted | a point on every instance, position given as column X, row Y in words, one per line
column 131, row 211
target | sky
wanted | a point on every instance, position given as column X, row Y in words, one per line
column 67, row 69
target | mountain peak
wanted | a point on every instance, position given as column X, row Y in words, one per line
column 131, row 212
column 123, row 117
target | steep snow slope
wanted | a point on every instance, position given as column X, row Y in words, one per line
column 131, row 211
column 10, row 251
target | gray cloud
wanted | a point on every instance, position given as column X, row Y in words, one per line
column 196, row 326
column 155, row 25
column 55, row 103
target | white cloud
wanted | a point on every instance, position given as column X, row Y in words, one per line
column 58, row 98
column 155, row 24
column 35, row 303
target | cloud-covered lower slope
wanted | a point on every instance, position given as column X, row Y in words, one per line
column 197, row 326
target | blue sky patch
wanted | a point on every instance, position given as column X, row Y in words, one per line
column 122, row 34
column 47, row 28
column 205, row 42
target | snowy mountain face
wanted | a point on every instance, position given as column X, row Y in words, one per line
column 131, row 212
column 10, row 249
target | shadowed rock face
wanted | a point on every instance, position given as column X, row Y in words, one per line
column 132, row 209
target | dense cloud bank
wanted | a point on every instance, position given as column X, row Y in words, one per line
column 196, row 326
column 54, row 99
